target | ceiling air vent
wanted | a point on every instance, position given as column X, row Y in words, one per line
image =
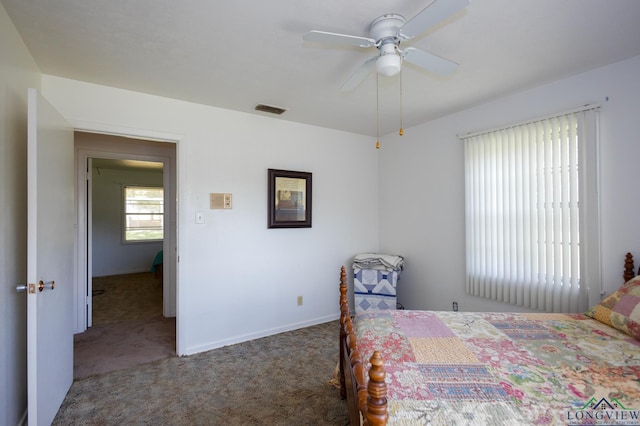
column 270, row 109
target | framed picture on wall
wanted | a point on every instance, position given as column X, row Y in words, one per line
column 289, row 199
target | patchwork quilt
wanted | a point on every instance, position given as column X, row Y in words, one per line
column 453, row 368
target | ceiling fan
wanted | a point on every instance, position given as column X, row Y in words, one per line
column 386, row 33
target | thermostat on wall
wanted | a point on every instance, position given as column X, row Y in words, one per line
column 220, row 201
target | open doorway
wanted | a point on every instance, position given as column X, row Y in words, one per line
column 126, row 304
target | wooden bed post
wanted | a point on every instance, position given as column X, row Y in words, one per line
column 344, row 314
column 629, row 271
column 377, row 413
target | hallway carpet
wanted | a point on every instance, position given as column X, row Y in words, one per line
column 128, row 326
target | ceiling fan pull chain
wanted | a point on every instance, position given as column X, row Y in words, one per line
column 401, row 132
column 377, row 114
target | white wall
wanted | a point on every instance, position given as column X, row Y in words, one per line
column 17, row 73
column 422, row 184
column 110, row 255
column 237, row 279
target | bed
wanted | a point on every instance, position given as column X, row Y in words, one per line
column 157, row 265
column 406, row 367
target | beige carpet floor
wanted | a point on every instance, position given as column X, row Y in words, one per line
column 128, row 326
column 280, row 380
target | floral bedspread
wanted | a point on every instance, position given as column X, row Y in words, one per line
column 452, row 368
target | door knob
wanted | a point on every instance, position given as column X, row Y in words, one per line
column 21, row 288
column 49, row 284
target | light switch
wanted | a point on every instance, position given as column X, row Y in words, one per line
column 199, row 217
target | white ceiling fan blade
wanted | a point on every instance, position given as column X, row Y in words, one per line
column 432, row 15
column 429, row 61
column 326, row 37
column 359, row 75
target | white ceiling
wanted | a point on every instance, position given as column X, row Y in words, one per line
column 236, row 54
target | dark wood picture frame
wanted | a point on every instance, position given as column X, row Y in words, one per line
column 289, row 199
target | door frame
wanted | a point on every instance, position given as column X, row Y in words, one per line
column 170, row 245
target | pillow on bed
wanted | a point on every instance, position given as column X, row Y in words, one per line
column 621, row 309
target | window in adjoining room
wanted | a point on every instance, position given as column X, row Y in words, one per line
column 531, row 201
column 143, row 213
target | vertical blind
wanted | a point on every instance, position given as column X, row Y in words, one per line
column 525, row 195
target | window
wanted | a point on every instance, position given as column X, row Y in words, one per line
column 143, row 213
column 531, row 212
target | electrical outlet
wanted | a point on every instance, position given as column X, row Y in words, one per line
column 299, row 300
column 455, row 306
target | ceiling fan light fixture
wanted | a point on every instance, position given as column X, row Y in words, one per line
column 389, row 64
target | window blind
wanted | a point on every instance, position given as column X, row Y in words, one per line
column 143, row 213
column 531, row 212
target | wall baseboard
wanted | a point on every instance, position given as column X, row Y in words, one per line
column 264, row 333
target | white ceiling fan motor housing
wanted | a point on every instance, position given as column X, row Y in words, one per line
column 384, row 30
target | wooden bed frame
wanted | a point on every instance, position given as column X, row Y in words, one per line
column 367, row 399
column 367, row 402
